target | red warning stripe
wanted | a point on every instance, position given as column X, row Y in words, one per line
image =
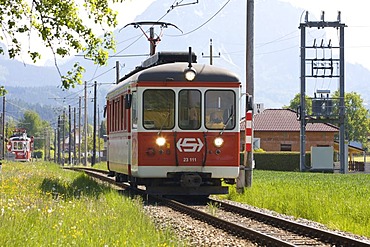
column 248, row 131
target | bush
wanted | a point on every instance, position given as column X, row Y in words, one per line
column 277, row 161
column 39, row 154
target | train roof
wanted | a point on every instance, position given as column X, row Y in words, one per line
column 19, row 138
column 170, row 66
column 175, row 72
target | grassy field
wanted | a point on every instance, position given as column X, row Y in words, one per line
column 340, row 201
column 43, row 205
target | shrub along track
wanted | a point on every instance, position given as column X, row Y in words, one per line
column 257, row 227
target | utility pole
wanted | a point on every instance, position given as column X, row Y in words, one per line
column 74, row 136
column 94, row 128
column 117, row 72
column 250, row 85
column 85, row 125
column 63, row 136
column 45, row 145
column 79, row 130
column 211, row 56
column 55, row 145
column 2, row 143
column 99, row 133
column 47, row 153
column 69, row 135
column 3, row 130
column 246, row 170
column 58, row 139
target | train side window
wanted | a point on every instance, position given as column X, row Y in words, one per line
column 111, row 116
column 189, row 109
column 220, row 109
column 134, row 110
column 159, row 109
column 123, row 114
column 116, row 114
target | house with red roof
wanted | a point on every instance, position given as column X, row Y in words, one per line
column 279, row 130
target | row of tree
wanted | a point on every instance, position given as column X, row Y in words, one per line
column 41, row 129
column 357, row 122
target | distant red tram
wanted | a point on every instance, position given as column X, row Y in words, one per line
column 176, row 135
column 20, row 145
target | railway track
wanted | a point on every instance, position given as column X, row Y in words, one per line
column 261, row 228
column 312, row 233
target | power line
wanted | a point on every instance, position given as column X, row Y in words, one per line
column 95, row 77
column 280, row 39
column 288, row 48
column 213, row 16
column 21, row 108
column 178, row 4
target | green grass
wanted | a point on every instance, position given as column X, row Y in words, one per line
column 101, row 166
column 340, row 201
column 43, row 205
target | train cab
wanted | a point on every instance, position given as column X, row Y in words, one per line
column 172, row 134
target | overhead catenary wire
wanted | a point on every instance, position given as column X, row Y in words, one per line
column 204, row 23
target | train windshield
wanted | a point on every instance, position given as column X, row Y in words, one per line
column 159, row 109
column 219, row 109
column 20, row 145
column 189, row 109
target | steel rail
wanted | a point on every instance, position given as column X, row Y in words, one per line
column 230, row 227
column 298, row 228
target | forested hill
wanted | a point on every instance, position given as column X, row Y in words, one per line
column 15, row 109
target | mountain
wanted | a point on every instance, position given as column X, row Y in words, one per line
column 277, row 58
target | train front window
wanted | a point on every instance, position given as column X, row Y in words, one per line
column 159, row 109
column 189, row 109
column 220, row 109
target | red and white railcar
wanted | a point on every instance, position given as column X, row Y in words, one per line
column 20, row 145
column 176, row 136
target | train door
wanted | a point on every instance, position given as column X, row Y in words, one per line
column 190, row 141
column 119, row 142
column 134, row 137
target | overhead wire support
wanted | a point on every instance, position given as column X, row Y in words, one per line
column 180, row 4
column 154, row 41
column 211, row 56
column 322, row 64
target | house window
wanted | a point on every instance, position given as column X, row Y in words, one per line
column 285, row 147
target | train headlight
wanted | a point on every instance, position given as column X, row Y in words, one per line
column 160, row 141
column 218, row 141
column 190, row 73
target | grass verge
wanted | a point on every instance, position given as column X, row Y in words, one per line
column 43, row 205
column 340, row 201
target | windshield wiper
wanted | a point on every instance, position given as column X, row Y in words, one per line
column 164, row 121
column 228, row 120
